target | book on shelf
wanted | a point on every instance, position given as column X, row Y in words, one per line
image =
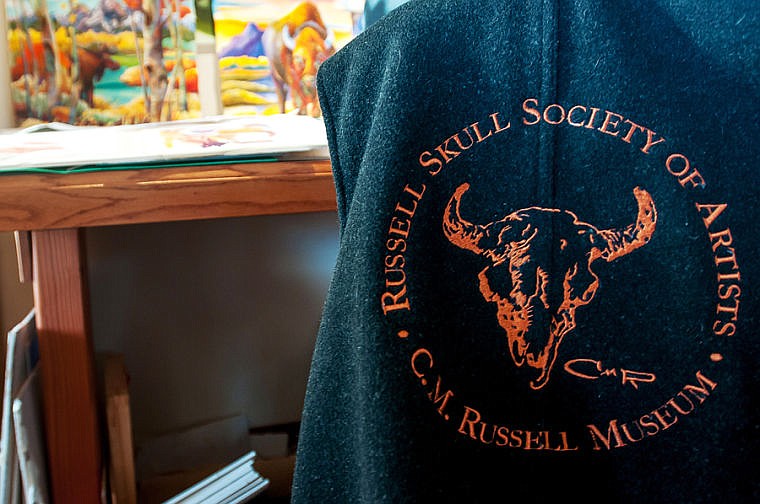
column 22, row 354
column 210, row 462
column 30, row 440
column 234, row 483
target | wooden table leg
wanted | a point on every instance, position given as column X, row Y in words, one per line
column 67, row 366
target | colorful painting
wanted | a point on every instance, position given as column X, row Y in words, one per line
column 269, row 51
column 116, row 62
column 102, row 62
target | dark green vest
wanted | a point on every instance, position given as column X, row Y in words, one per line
column 547, row 281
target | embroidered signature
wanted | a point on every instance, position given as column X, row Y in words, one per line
column 580, row 368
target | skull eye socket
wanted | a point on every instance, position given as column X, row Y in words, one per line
column 582, row 283
column 496, row 282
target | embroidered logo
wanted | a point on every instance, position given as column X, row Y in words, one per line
column 591, row 360
column 525, row 286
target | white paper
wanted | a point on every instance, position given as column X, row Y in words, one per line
column 19, row 361
column 228, row 484
column 176, row 141
column 30, row 443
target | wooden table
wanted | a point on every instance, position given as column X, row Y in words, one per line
column 49, row 212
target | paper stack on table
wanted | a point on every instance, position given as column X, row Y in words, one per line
column 62, row 148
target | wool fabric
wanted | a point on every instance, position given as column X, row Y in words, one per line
column 547, row 279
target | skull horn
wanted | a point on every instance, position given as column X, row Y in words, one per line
column 460, row 232
column 618, row 243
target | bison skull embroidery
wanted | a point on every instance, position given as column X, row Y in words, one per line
column 539, row 270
